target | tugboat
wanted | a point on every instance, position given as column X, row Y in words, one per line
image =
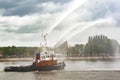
column 44, row 61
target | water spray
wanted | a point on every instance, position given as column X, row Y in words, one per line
column 75, row 4
column 70, row 29
column 91, row 24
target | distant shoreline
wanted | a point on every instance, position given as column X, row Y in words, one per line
column 16, row 59
column 92, row 58
column 67, row 58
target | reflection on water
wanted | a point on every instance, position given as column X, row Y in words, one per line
column 46, row 75
column 72, row 68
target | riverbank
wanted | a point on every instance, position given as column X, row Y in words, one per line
column 16, row 59
column 93, row 58
column 65, row 58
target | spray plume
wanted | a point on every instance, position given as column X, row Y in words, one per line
column 91, row 24
column 70, row 29
column 73, row 6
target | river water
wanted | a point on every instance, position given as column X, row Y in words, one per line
column 74, row 70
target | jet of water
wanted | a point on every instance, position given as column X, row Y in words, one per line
column 91, row 24
column 69, row 29
column 74, row 5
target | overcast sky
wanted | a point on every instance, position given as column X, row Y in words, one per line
column 23, row 21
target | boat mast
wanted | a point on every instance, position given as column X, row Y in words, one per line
column 43, row 43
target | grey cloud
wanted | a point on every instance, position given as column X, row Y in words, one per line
column 24, row 7
column 27, row 29
column 96, row 9
column 7, row 4
column 21, row 8
column 56, row 1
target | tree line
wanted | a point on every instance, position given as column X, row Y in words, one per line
column 18, row 52
column 12, row 51
column 98, row 45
